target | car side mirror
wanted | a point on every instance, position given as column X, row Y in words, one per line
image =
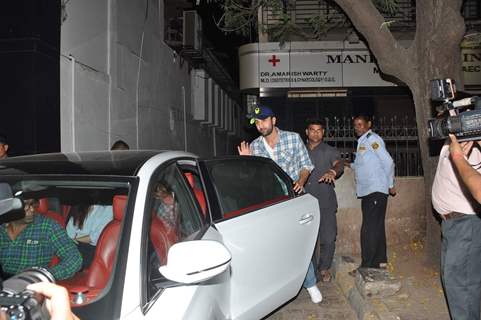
column 11, row 209
column 196, row 261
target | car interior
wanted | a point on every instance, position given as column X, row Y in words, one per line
column 56, row 198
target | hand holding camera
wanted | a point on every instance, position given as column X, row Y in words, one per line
column 33, row 295
column 57, row 300
column 464, row 125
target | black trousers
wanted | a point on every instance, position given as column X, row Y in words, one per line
column 373, row 233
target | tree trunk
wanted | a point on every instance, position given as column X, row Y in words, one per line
column 435, row 53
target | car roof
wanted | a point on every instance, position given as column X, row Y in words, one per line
column 124, row 163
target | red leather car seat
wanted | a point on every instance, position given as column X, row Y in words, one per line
column 99, row 271
column 98, row 274
column 45, row 211
column 199, row 194
column 160, row 241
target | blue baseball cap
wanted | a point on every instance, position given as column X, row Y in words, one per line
column 260, row 112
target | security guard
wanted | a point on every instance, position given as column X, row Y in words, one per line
column 374, row 171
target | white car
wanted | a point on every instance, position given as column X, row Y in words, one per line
column 189, row 239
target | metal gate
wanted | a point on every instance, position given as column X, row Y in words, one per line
column 400, row 136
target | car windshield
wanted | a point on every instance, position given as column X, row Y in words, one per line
column 69, row 226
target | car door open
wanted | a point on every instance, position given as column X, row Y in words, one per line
column 269, row 232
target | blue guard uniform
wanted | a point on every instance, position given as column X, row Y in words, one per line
column 374, row 169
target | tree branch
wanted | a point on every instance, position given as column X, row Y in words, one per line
column 391, row 56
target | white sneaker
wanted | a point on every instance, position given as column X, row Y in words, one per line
column 315, row 294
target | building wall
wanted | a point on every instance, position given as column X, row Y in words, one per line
column 405, row 218
column 119, row 80
column 29, row 80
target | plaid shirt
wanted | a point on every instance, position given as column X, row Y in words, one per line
column 166, row 212
column 36, row 245
column 290, row 153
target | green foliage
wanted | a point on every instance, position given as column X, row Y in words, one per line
column 238, row 17
column 318, row 25
column 241, row 16
column 387, row 6
column 284, row 29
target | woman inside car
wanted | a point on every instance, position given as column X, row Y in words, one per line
column 85, row 223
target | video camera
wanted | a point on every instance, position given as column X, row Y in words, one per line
column 464, row 125
column 18, row 303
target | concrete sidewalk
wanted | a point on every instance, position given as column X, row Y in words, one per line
column 334, row 306
column 420, row 296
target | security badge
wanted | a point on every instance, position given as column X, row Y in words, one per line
column 362, row 148
column 375, row 145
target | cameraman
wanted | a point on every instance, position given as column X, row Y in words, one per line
column 468, row 174
column 461, row 235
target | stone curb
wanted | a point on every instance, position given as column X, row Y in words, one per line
column 364, row 308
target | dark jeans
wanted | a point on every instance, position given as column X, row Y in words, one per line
column 373, row 233
column 327, row 238
column 88, row 253
column 461, row 266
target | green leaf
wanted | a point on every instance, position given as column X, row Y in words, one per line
column 387, row 6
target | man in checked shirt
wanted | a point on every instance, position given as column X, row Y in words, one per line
column 289, row 152
column 33, row 241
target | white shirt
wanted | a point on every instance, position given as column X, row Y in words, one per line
column 269, row 149
column 449, row 193
column 94, row 223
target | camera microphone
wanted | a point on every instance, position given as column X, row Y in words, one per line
column 465, row 102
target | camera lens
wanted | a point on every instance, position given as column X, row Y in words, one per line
column 438, row 128
column 19, row 282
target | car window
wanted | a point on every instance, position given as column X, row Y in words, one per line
column 174, row 217
column 74, row 226
column 246, row 184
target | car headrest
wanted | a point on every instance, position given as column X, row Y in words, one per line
column 119, row 203
column 190, row 178
column 42, row 205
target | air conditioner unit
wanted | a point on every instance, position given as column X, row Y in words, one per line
column 192, row 31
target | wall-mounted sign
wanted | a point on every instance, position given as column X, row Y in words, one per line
column 323, row 64
column 472, row 66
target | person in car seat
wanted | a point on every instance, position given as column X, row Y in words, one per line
column 33, row 241
column 85, row 223
column 165, row 205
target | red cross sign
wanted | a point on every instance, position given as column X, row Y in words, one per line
column 274, row 60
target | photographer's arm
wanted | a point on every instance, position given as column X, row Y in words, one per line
column 58, row 303
column 470, row 177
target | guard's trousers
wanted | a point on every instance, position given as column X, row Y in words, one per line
column 373, row 233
